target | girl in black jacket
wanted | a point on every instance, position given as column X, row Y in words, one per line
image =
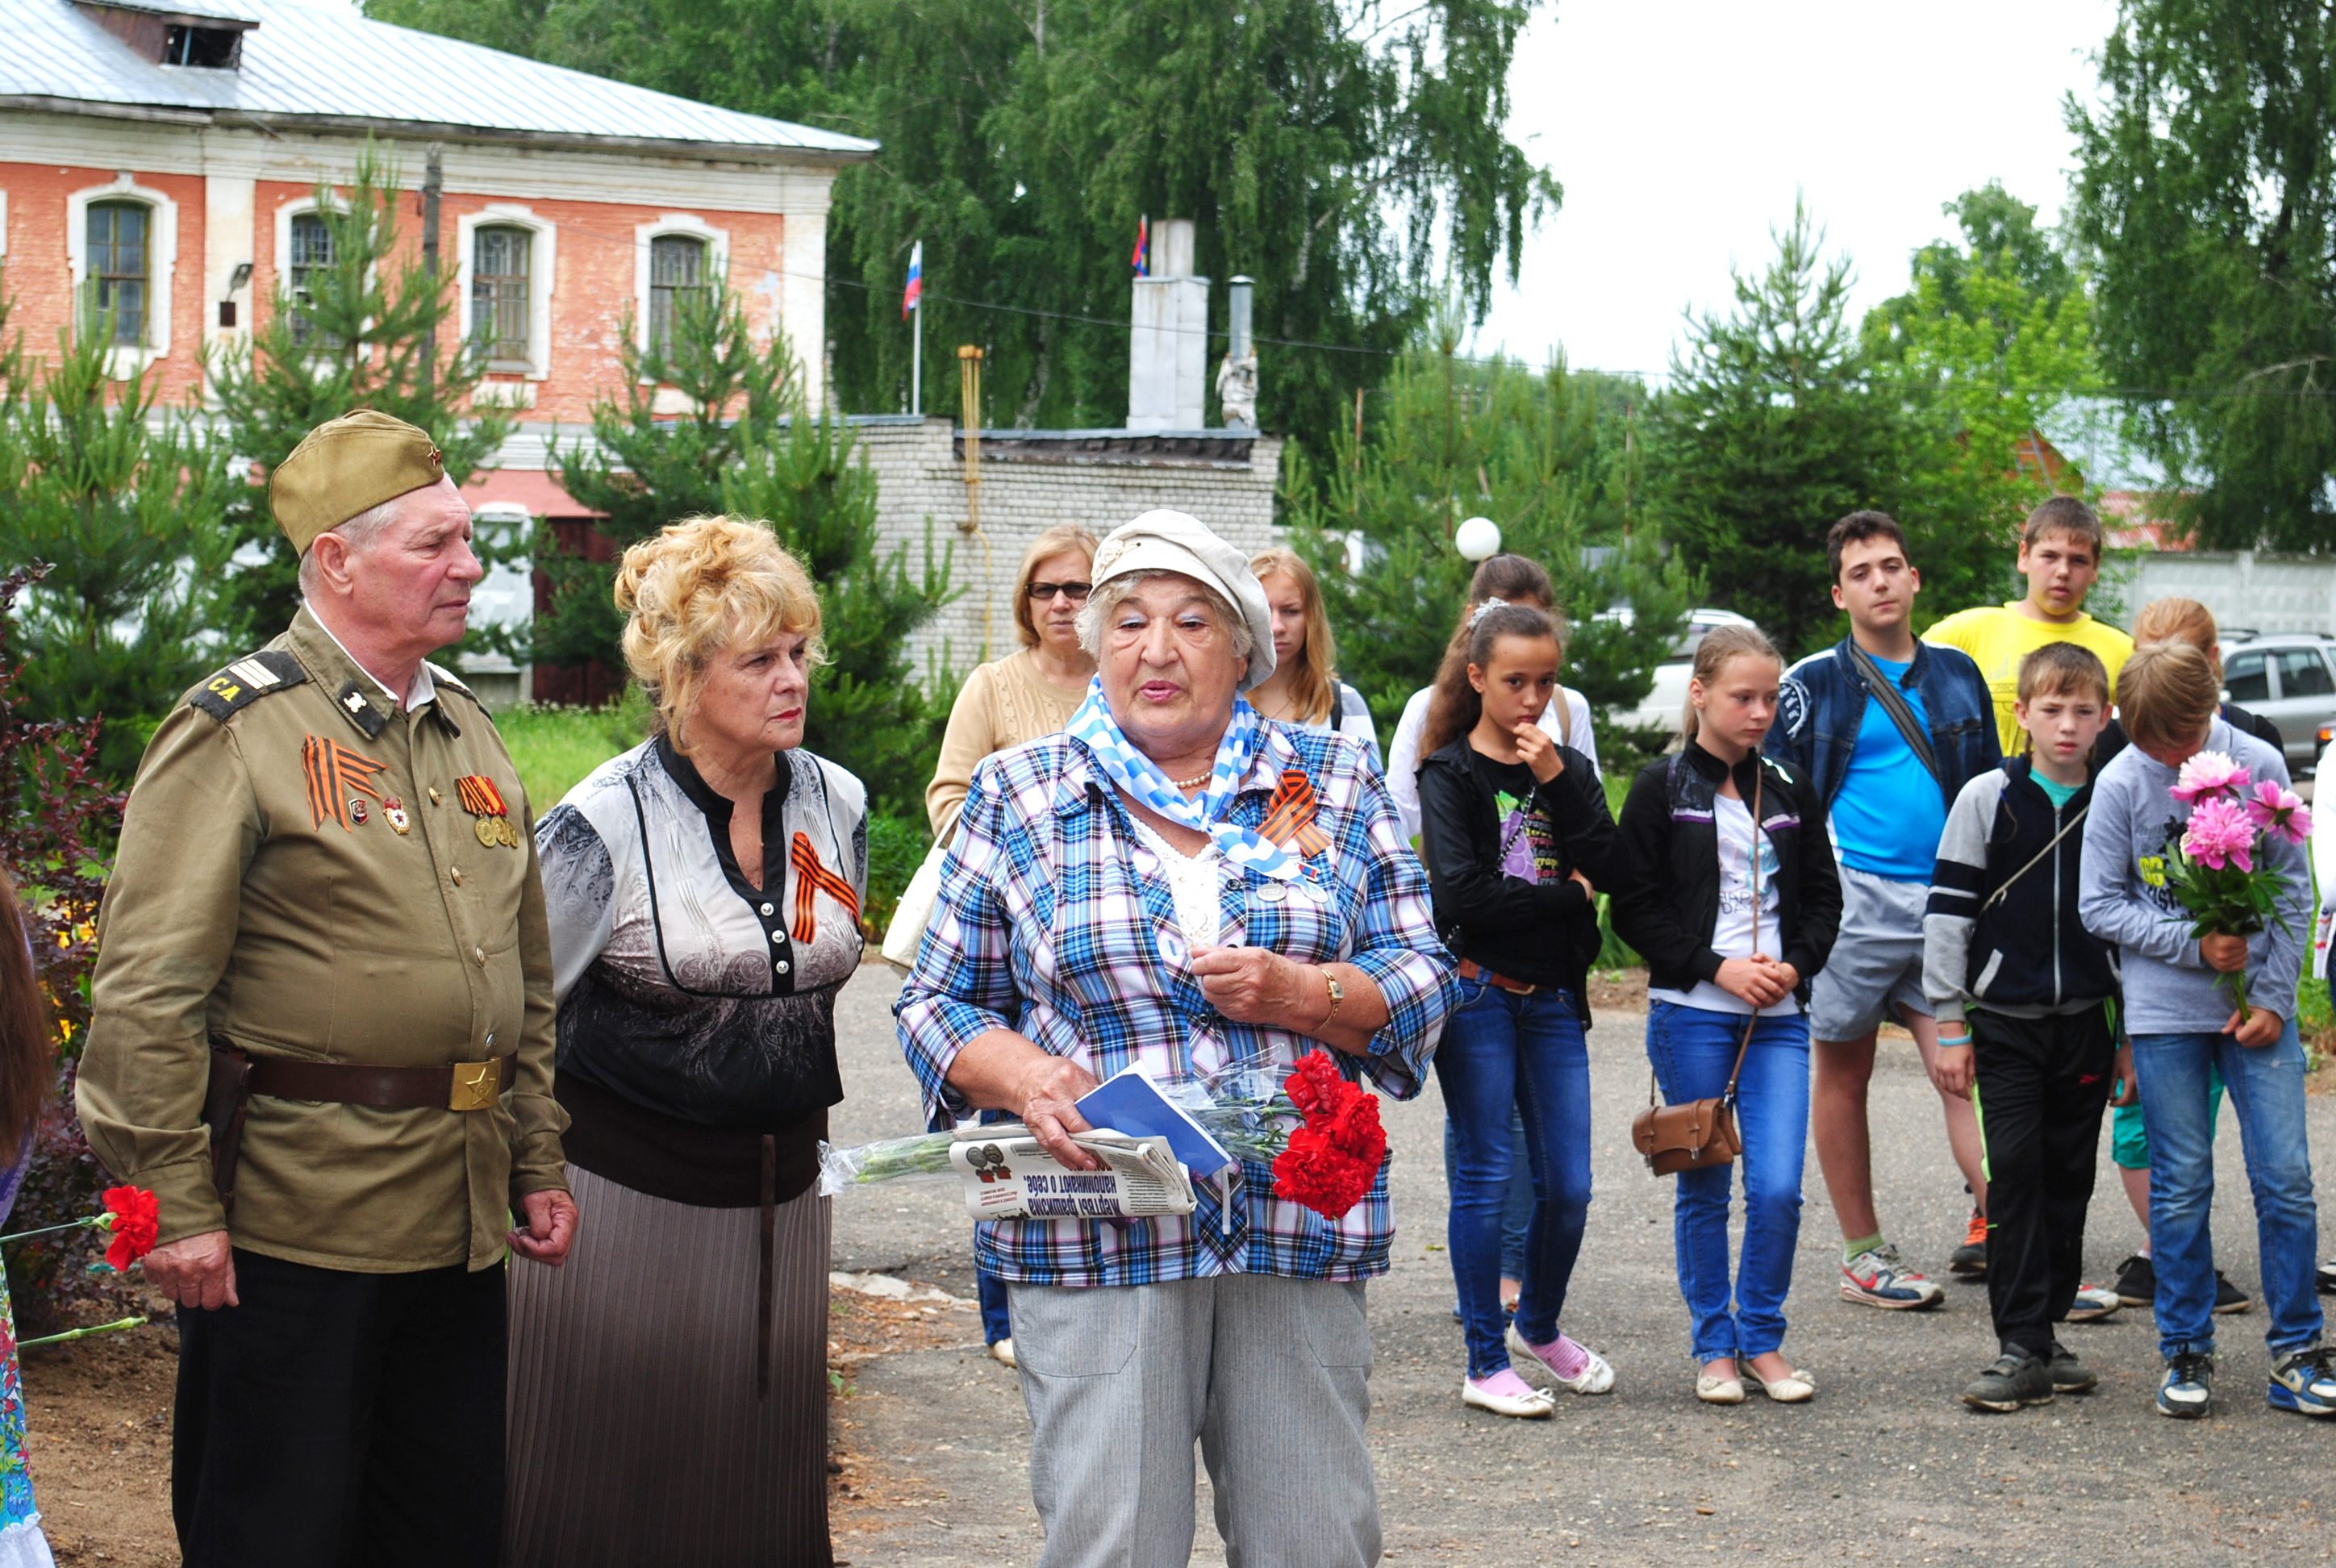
column 1514, row 831
column 1734, row 916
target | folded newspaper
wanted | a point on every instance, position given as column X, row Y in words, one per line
column 1010, row 1175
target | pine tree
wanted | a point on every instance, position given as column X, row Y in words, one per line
column 1545, row 457
column 1772, row 430
column 352, row 334
column 128, row 507
column 745, row 444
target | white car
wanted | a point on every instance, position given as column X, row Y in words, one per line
column 1665, row 702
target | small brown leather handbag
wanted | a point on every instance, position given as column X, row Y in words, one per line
column 1701, row 1133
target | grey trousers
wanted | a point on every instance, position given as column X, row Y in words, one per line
column 1271, row 1375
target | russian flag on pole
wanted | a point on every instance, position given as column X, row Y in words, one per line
column 916, row 289
column 1142, row 259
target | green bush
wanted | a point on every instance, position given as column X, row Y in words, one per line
column 896, row 848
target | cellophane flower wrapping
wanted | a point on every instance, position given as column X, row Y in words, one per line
column 1320, row 1133
column 2210, row 868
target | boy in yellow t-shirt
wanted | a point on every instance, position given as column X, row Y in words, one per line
column 2060, row 556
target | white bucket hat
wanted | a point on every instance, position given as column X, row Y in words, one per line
column 1167, row 540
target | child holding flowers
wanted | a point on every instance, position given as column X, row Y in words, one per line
column 2194, row 868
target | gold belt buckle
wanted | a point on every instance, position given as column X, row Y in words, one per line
column 476, row 1084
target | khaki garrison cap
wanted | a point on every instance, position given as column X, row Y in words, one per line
column 345, row 465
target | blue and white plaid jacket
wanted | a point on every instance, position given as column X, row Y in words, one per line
column 1049, row 923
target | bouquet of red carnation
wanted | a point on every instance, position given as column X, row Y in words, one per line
column 1332, row 1160
column 132, row 1217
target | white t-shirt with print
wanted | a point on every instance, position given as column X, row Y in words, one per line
column 1732, row 936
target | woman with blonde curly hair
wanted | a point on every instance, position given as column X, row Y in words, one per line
column 668, row 1392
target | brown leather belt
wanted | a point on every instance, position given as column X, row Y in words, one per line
column 1470, row 970
column 465, row 1086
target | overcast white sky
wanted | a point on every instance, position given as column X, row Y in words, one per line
column 1681, row 130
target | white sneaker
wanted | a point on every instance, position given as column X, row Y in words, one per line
column 1597, row 1377
column 2093, row 1303
column 1535, row 1403
column 1002, row 1352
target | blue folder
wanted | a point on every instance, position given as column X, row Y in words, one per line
column 1130, row 1103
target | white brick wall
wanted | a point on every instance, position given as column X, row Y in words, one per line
column 919, row 476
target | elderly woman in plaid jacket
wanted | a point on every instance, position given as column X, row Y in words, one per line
column 1174, row 883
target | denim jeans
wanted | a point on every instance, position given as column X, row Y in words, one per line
column 2266, row 1089
column 1692, row 1050
column 1516, row 1213
column 1505, row 1054
column 996, row 1323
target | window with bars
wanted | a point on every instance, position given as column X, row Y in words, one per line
column 676, row 273
column 500, row 322
column 119, row 248
column 312, row 252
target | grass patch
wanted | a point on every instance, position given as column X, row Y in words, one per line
column 556, row 748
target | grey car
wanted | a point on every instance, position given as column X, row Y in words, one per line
column 2290, row 678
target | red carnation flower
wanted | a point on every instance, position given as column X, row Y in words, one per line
column 134, row 1216
column 1334, row 1159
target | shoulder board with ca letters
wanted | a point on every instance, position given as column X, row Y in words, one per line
column 246, row 681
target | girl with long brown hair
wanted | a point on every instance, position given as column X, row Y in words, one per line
column 1305, row 688
column 1514, row 831
column 1505, row 580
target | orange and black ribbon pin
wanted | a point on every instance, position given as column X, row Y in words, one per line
column 1290, row 816
column 479, row 796
column 811, row 878
column 332, row 771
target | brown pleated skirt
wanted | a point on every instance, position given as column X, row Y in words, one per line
column 636, row 1432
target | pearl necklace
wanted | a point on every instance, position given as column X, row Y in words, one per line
column 1193, row 784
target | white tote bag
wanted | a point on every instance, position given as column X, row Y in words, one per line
column 915, row 911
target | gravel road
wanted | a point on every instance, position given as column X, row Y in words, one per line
column 1886, row 1465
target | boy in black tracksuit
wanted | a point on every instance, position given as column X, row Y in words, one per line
column 2003, row 949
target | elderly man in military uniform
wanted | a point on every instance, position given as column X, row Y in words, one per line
column 323, row 1035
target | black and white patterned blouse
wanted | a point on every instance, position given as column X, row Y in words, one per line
column 706, row 999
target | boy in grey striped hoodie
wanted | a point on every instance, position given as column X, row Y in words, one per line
column 2182, row 1023
column 2023, row 994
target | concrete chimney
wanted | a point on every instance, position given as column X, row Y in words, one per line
column 1168, row 346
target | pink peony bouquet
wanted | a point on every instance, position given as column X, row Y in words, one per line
column 2211, row 869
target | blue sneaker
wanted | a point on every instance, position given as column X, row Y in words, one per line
column 1878, row 1278
column 2304, row 1381
column 2188, row 1390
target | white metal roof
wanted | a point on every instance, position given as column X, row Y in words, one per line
column 321, row 69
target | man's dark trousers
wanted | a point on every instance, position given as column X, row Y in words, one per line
column 338, row 1419
column 2042, row 1084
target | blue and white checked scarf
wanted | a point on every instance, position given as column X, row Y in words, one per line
column 1141, row 778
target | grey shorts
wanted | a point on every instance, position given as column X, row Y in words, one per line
column 1875, row 968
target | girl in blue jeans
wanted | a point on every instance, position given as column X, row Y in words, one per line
column 1514, row 831
column 1732, row 897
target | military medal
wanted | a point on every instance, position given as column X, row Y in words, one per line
column 357, row 810
column 483, row 801
column 394, row 810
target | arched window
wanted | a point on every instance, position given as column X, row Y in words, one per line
column 312, row 252
column 676, row 273
column 119, row 256
column 501, row 262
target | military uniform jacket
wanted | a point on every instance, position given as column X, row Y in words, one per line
column 308, row 870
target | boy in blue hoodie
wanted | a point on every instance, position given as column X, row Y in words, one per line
column 2182, row 1024
column 2022, row 994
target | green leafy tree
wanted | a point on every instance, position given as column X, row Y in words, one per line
column 745, row 444
column 1773, row 428
column 1338, row 155
column 1993, row 341
column 1543, row 456
column 352, row 335
column 129, row 507
column 2207, row 191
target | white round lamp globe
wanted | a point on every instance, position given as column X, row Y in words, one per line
column 1477, row 538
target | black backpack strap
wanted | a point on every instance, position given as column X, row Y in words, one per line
column 1901, row 713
